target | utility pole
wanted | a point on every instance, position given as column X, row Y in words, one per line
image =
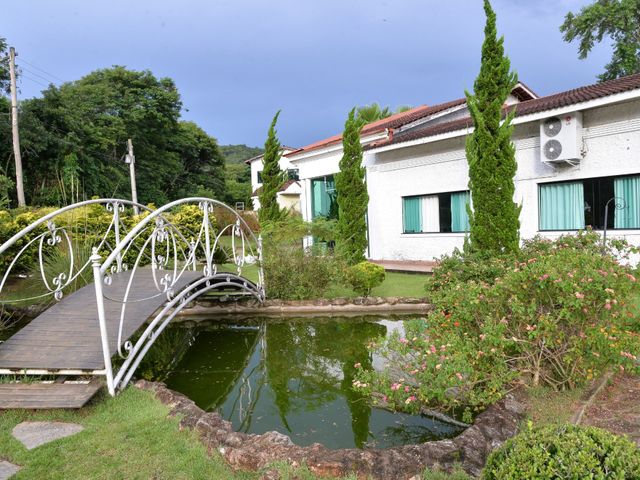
column 131, row 160
column 14, row 128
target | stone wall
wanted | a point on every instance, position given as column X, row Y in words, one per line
column 254, row 452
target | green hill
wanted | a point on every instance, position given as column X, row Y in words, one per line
column 239, row 153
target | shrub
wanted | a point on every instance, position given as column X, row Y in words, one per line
column 293, row 273
column 365, row 276
column 567, row 451
column 559, row 314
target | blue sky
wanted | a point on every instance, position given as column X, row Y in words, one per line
column 236, row 62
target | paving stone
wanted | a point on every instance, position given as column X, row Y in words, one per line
column 7, row 470
column 34, row 434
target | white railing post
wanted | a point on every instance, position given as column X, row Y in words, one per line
column 106, row 351
column 260, row 268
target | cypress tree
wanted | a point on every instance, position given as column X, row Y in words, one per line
column 352, row 196
column 272, row 177
column 494, row 220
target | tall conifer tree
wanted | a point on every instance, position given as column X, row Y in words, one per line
column 494, row 220
column 272, row 177
column 352, row 196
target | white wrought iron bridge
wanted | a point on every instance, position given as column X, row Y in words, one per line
column 134, row 277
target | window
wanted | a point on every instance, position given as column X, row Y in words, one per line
column 323, row 198
column 444, row 212
column 583, row 203
column 260, row 176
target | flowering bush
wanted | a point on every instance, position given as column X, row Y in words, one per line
column 364, row 276
column 558, row 315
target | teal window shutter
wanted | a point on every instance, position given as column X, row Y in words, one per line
column 628, row 189
column 318, row 190
column 412, row 215
column 459, row 215
column 561, row 206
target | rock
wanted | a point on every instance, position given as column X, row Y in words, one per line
column 7, row 470
column 254, row 452
column 339, row 302
column 34, row 434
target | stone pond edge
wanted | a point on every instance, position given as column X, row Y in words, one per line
column 254, row 452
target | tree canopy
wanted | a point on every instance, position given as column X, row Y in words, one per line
column 4, row 65
column 272, row 177
column 494, row 220
column 371, row 113
column 352, row 195
column 81, row 128
column 618, row 20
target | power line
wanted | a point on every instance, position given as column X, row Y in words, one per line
column 41, row 69
column 34, row 80
column 31, row 72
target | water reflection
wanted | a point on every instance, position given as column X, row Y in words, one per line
column 295, row 378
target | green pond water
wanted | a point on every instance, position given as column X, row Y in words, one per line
column 294, row 377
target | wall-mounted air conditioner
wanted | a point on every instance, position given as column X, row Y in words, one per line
column 561, row 139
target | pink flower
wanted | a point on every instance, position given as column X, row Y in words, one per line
column 357, row 365
column 385, row 399
column 579, row 295
column 404, row 341
column 607, row 306
column 406, row 389
column 544, row 277
column 395, row 387
column 631, row 277
column 409, row 400
column 433, row 349
column 459, row 375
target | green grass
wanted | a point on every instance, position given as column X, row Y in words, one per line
column 127, row 437
column 396, row 284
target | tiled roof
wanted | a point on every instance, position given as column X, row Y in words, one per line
column 550, row 102
column 284, row 186
column 394, row 121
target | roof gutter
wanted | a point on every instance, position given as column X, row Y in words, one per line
column 297, row 157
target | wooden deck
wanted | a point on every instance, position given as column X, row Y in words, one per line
column 66, row 337
column 47, row 395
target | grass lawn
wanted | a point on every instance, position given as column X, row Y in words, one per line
column 127, row 437
column 396, row 284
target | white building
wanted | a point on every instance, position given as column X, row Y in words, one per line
column 417, row 173
column 289, row 194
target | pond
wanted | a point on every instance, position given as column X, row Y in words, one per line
column 290, row 376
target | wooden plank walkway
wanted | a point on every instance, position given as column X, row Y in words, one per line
column 47, row 395
column 67, row 335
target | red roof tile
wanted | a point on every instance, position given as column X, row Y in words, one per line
column 550, row 102
column 394, row 121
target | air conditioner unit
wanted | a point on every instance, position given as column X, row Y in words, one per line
column 561, row 139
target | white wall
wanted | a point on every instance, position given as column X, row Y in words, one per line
column 611, row 142
column 258, row 165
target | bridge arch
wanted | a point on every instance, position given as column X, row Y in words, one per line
column 153, row 260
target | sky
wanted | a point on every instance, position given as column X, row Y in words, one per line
column 237, row 62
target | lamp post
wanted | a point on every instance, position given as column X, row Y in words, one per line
column 131, row 160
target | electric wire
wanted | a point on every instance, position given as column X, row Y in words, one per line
column 41, row 69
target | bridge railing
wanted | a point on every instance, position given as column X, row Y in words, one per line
column 173, row 250
column 62, row 233
column 170, row 255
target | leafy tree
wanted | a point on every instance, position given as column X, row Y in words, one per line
column 238, row 183
column 272, row 177
column 494, row 220
column 352, row 196
column 371, row 113
column 92, row 118
column 616, row 19
column 4, row 65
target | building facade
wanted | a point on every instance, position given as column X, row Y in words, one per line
column 576, row 151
